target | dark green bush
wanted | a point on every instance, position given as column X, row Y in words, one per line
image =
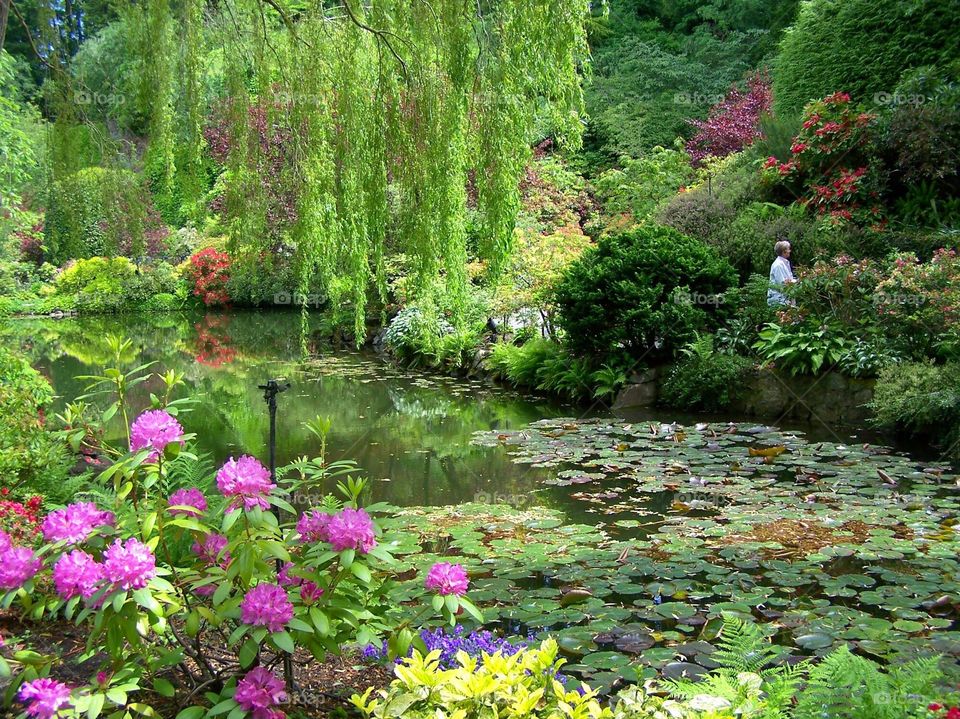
column 642, row 293
column 921, row 399
column 705, row 380
column 861, row 47
column 698, row 215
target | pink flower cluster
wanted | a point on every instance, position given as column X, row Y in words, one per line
column 247, row 481
column 213, row 550
column 19, row 565
column 445, row 578
column 130, row 564
column 154, row 429
column 312, row 526
column 310, row 592
column 259, row 692
column 77, row 574
column 75, row 522
column 192, row 497
column 266, row 605
column 351, row 529
column 44, row 697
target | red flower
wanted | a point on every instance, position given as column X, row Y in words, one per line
column 798, row 147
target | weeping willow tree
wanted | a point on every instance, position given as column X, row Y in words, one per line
column 396, row 118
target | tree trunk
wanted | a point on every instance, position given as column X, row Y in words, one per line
column 4, row 14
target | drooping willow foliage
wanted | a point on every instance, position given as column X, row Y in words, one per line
column 361, row 128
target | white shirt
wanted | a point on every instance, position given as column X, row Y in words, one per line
column 780, row 274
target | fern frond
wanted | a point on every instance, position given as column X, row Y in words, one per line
column 742, row 647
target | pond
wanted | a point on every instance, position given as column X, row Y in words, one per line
column 410, row 432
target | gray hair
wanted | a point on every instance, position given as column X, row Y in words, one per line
column 781, row 247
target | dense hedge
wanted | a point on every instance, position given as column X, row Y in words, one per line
column 644, row 293
column 861, row 47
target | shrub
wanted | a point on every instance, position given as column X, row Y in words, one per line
column 733, row 123
column 209, row 273
column 627, row 296
column 861, row 47
column 102, row 211
column 522, row 684
column 920, row 398
column 832, row 169
column 804, row 347
column 637, row 186
column 704, row 379
column 412, row 330
column 699, row 215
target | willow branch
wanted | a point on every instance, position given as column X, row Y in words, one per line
column 382, row 36
column 26, row 29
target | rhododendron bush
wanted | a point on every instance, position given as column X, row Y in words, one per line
column 830, row 168
column 201, row 597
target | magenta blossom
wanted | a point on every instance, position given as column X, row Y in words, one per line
column 213, row 550
column 5, row 542
column 351, row 529
column 77, row 574
column 18, row 566
column 266, row 605
column 310, row 592
column 44, row 697
column 154, row 430
column 192, row 497
column 312, row 526
column 247, row 480
column 445, row 578
column 258, row 692
column 284, row 577
column 75, row 522
column 130, row 565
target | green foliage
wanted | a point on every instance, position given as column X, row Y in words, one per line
column 847, row 686
column 21, row 141
column 920, row 398
column 103, row 285
column 97, row 211
column 638, row 186
column 31, row 457
column 413, row 329
column 521, row 685
column 704, row 379
column 861, row 47
column 803, row 348
column 641, row 293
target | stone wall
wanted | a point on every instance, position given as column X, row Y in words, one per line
column 831, row 398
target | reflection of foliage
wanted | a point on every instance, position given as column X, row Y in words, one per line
column 213, row 344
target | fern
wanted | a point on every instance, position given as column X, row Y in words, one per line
column 742, row 647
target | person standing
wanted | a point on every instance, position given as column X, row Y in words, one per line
column 781, row 274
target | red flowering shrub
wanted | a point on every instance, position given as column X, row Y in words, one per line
column 31, row 243
column 733, row 123
column 20, row 520
column 209, row 271
column 831, row 168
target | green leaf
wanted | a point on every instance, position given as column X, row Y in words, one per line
column 283, row 641
column 361, row 572
column 164, row 688
column 192, row 713
column 95, row 706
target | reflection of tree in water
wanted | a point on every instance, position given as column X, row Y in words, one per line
column 419, row 405
column 213, row 344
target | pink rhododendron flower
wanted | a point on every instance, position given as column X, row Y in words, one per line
column 154, row 429
column 18, row 566
column 283, row 576
column 192, row 497
column 246, row 480
column 445, row 578
column 75, row 522
column 129, row 565
column 310, row 592
column 351, row 529
column 312, row 526
column 258, row 692
column 44, row 697
column 266, row 605
column 77, row 574
column 212, row 551
column 5, row 542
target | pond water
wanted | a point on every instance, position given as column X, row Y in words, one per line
column 410, row 432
